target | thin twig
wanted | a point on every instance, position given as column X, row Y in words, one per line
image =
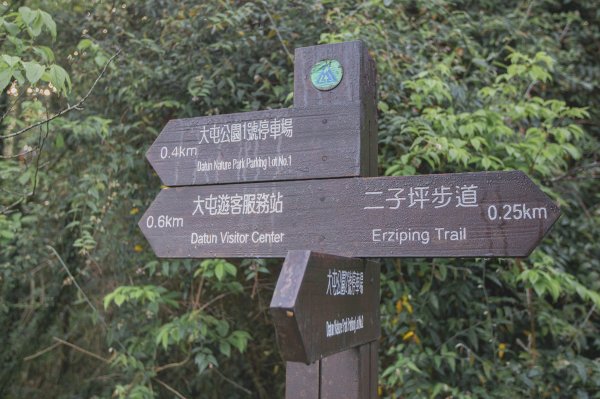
column 9, row 207
column 172, row 365
column 41, row 143
column 196, row 303
column 577, row 169
column 213, row 300
column 587, row 212
column 290, row 56
column 40, row 353
column 170, row 388
column 588, row 316
column 85, row 297
column 522, row 345
column 79, row 349
column 564, row 32
column 19, row 154
column 83, row 293
column 533, row 162
column 256, row 281
column 229, row 380
column 76, row 106
column 527, row 14
column 529, row 89
column 12, row 106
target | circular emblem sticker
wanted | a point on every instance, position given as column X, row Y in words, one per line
column 326, row 74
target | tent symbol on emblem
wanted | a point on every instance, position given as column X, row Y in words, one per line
column 326, row 74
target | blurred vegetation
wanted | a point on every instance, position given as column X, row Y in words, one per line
column 86, row 309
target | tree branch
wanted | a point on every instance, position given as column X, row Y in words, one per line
column 229, row 380
column 10, row 107
column 77, row 348
column 266, row 9
column 573, row 172
column 169, row 388
column 41, row 143
column 172, row 365
column 76, row 106
column 40, row 353
column 19, row 154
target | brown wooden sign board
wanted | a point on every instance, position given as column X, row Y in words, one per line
column 283, row 144
column 484, row 214
column 324, row 304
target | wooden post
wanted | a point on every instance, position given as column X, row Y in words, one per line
column 358, row 86
column 348, row 374
column 351, row 374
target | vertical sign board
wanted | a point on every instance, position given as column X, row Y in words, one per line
column 324, row 304
column 484, row 214
column 356, row 85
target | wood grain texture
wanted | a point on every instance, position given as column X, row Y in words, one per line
column 341, row 376
column 373, row 366
column 332, row 216
column 351, row 374
column 325, row 141
column 358, row 87
column 302, row 381
column 311, row 295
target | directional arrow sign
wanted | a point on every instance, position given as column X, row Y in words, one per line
column 486, row 214
column 284, row 144
column 324, row 304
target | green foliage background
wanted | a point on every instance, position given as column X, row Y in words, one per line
column 87, row 311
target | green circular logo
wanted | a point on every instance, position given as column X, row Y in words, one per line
column 326, row 74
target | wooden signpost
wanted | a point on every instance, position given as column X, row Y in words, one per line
column 486, row 214
column 310, row 191
column 324, row 304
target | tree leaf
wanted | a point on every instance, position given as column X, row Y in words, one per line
column 11, row 28
column 44, row 52
column 27, row 15
column 10, row 60
column 120, row 299
column 5, row 78
column 33, row 71
column 230, row 269
column 225, row 348
column 49, row 23
column 37, row 25
column 219, row 271
column 59, row 78
column 83, row 44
